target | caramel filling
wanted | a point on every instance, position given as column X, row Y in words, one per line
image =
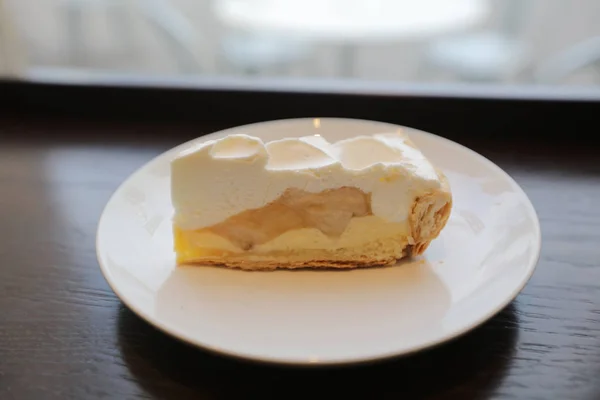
column 329, row 211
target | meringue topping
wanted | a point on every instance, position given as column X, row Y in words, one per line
column 219, row 179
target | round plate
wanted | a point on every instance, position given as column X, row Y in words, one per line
column 480, row 262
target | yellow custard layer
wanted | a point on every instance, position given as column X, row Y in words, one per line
column 361, row 233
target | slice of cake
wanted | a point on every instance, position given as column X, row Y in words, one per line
column 304, row 202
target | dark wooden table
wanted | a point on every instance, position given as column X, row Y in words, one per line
column 64, row 334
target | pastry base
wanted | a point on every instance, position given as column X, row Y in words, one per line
column 377, row 253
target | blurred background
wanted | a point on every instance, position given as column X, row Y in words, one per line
column 504, row 42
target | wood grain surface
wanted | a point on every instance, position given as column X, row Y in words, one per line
column 64, row 334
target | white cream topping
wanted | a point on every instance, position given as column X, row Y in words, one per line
column 221, row 178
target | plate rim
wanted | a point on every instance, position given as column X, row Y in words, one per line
column 344, row 361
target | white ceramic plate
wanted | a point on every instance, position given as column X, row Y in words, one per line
column 480, row 262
